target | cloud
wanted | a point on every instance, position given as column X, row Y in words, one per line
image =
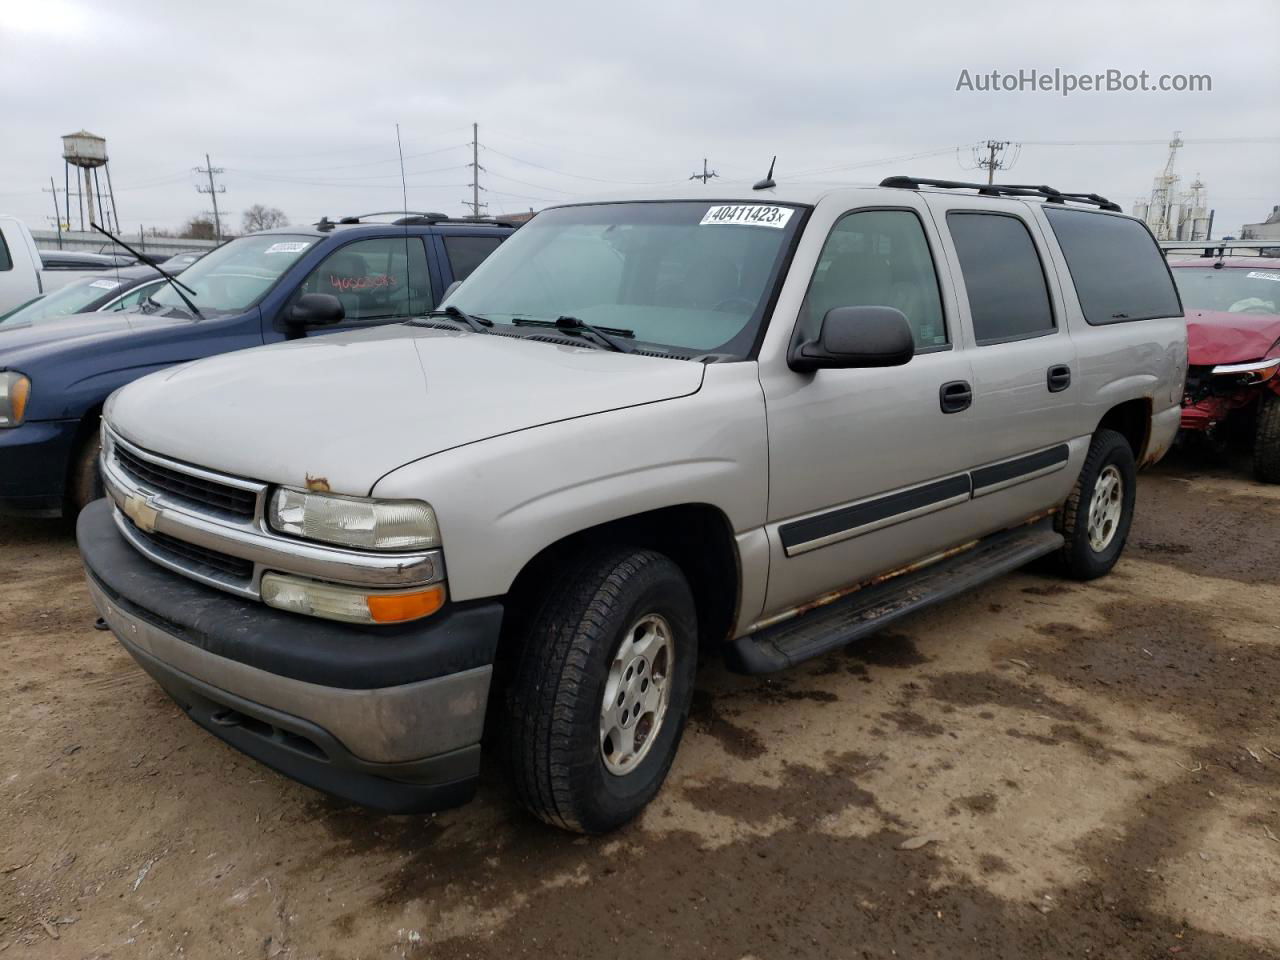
column 299, row 101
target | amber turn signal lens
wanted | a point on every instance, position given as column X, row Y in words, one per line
column 18, row 398
column 398, row 607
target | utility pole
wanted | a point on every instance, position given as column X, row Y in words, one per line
column 213, row 190
column 474, row 203
column 57, row 217
column 995, row 158
column 705, row 175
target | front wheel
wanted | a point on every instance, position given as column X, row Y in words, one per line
column 1266, row 440
column 84, row 482
column 601, row 690
column 1096, row 518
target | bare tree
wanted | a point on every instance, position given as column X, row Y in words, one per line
column 259, row 217
column 199, row 228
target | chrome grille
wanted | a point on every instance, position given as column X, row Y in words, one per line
column 193, row 489
column 195, row 555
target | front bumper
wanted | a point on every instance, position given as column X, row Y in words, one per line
column 390, row 718
column 33, row 466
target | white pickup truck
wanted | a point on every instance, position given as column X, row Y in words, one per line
column 23, row 274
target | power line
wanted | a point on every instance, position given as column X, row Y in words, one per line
column 578, row 176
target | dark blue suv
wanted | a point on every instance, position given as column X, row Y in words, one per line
column 277, row 285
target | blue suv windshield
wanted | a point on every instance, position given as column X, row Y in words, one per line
column 237, row 274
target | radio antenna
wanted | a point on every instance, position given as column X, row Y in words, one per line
column 768, row 180
column 404, row 200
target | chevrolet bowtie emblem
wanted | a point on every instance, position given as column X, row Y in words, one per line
column 142, row 513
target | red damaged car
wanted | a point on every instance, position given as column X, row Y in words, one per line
column 1233, row 343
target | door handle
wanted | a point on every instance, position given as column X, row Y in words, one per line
column 1059, row 377
column 955, row 396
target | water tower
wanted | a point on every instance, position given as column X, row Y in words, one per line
column 88, row 152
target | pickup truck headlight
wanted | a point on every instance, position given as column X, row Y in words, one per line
column 15, row 390
column 354, row 521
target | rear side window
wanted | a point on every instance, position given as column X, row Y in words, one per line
column 6, row 261
column 1118, row 271
column 467, row 253
column 1008, row 295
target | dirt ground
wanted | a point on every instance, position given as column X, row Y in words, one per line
column 1095, row 767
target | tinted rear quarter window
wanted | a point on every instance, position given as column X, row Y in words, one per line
column 1118, row 270
column 467, row 253
column 1003, row 276
column 6, row 261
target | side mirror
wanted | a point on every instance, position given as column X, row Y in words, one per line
column 317, row 310
column 857, row 337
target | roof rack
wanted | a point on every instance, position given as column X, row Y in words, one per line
column 413, row 218
column 1046, row 193
column 429, row 219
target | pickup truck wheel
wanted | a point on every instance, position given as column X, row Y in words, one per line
column 85, row 481
column 1096, row 517
column 601, row 690
column 1266, row 440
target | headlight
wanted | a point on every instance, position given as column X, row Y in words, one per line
column 354, row 521
column 15, row 390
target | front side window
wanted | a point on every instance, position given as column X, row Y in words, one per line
column 691, row 276
column 1008, row 295
column 877, row 258
column 236, row 275
column 1116, row 266
column 380, row 279
column 467, row 253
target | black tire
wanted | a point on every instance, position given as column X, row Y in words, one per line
column 1266, row 439
column 1079, row 559
column 84, row 481
column 556, row 691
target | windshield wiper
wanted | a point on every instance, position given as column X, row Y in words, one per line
column 601, row 336
column 476, row 323
column 178, row 285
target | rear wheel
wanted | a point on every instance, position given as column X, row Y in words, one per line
column 601, row 689
column 85, row 480
column 1266, row 440
column 1096, row 518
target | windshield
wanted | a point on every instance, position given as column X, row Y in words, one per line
column 1229, row 290
column 76, row 297
column 235, row 276
column 693, row 276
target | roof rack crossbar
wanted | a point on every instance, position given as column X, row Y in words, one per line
column 1045, row 192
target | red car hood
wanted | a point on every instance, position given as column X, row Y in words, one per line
column 1214, row 337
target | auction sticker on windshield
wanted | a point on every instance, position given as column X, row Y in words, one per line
column 1259, row 275
column 290, row 246
column 104, row 284
column 749, row 214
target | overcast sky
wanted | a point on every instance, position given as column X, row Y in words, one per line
column 298, row 101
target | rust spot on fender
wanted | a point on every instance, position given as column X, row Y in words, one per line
column 317, row 484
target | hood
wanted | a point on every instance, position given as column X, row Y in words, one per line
column 1216, row 337
column 350, row 407
column 21, row 342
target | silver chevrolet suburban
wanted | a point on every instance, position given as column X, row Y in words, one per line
column 763, row 423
